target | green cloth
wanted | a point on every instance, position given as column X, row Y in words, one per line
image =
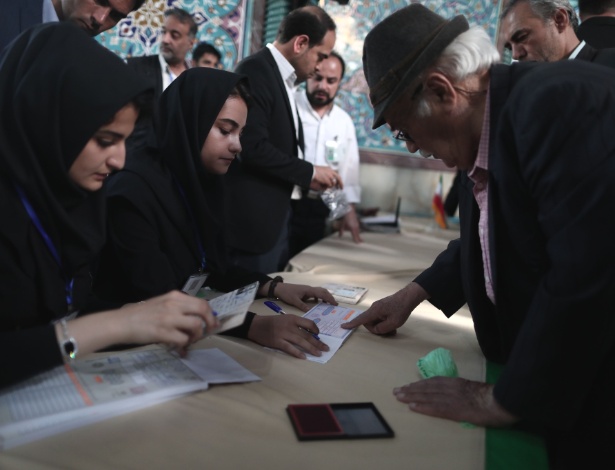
column 505, row 448
column 437, row 363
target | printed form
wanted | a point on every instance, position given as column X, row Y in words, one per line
column 328, row 318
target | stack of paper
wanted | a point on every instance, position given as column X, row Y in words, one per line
column 345, row 293
column 96, row 389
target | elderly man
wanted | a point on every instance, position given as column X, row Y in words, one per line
column 544, row 31
column 92, row 16
column 535, row 261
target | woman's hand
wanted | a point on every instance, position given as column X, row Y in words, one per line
column 297, row 294
column 175, row 319
column 289, row 333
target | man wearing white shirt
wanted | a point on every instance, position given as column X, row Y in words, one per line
column 330, row 139
column 270, row 168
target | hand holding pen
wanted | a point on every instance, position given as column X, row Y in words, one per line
column 276, row 308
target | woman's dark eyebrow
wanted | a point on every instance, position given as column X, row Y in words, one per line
column 109, row 133
column 229, row 121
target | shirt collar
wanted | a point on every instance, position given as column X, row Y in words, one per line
column 49, row 12
column 284, row 66
column 482, row 156
column 576, row 51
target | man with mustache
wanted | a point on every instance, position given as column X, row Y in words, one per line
column 330, row 139
column 176, row 41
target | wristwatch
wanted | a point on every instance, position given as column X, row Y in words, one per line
column 68, row 345
column 272, row 286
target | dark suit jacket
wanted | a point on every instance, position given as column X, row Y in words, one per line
column 17, row 16
column 551, row 193
column 149, row 67
column 598, row 31
column 604, row 57
column 260, row 184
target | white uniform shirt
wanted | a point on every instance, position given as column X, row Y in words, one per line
column 335, row 127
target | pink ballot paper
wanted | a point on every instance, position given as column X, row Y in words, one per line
column 328, row 318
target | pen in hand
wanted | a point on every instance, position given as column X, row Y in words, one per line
column 276, row 308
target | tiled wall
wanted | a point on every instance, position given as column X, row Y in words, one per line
column 220, row 22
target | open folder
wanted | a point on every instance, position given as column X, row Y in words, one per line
column 90, row 390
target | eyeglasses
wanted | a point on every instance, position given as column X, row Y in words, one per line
column 401, row 135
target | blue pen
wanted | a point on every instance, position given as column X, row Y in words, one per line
column 276, row 308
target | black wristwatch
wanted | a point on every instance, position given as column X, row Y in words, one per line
column 272, row 286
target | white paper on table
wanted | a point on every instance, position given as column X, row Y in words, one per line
column 91, row 390
column 328, row 318
column 217, row 367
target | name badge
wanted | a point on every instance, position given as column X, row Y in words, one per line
column 194, row 284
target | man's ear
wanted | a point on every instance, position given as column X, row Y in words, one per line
column 441, row 87
column 301, row 43
column 561, row 19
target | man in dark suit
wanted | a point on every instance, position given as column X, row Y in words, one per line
column 535, row 261
column 177, row 37
column 544, row 31
column 270, row 166
column 176, row 40
column 597, row 23
column 93, row 17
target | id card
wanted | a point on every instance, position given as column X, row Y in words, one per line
column 194, row 283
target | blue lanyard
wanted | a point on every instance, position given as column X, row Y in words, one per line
column 197, row 234
column 68, row 283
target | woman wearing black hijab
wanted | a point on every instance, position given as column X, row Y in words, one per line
column 166, row 210
column 66, row 107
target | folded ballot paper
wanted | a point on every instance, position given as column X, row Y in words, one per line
column 346, row 294
column 91, row 390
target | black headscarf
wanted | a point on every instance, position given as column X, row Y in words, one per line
column 187, row 111
column 57, row 88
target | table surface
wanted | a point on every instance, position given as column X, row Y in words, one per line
column 246, row 425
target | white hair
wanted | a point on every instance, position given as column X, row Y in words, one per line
column 470, row 53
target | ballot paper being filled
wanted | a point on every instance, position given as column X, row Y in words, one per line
column 329, row 319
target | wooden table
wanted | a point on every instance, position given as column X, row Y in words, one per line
column 246, row 426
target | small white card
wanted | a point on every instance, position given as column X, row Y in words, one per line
column 233, row 306
column 345, row 293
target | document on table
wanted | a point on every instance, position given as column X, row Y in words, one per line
column 345, row 293
column 328, row 318
column 91, row 390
